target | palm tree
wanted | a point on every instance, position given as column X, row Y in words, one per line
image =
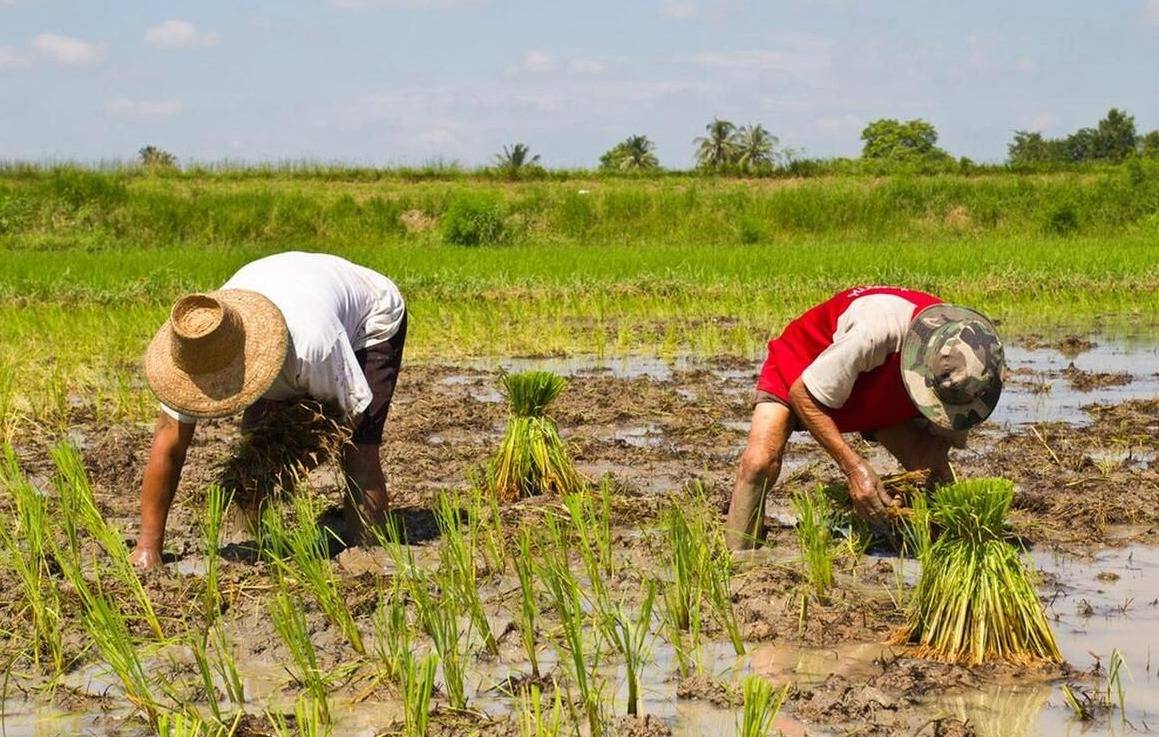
column 754, row 147
column 153, row 157
column 717, row 148
column 633, row 153
column 515, row 157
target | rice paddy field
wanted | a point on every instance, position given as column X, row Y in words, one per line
column 609, row 605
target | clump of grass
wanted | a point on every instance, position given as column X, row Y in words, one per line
column 761, row 706
column 300, row 551
column 814, row 538
column 27, row 550
column 975, row 600
column 274, row 457
column 532, row 458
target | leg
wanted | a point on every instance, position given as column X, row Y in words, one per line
column 759, row 467
column 367, row 502
column 916, row 448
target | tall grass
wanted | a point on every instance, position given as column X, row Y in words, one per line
column 975, row 600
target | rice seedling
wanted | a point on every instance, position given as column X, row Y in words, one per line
column 532, row 458
column 975, row 600
column 814, row 538
column 528, row 604
column 533, row 722
column 79, row 506
column 274, row 457
column 27, row 552
column 761, row 706
column 110, row 633
column 311, row 719
column 213, row 655
column 300, row 551
column 486, row 526
column 393, row 639
column 630, row 635
column 183, row 724
column 440, row 620
column 216, row 502
column 289, row 622
column 567, row 602
column 457, row 557
column 418, row 683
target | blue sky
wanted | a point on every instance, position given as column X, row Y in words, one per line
column 407, row 81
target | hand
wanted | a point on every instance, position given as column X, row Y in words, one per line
column 868, row 495
column 145, row 559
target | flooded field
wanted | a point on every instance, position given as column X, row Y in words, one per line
column 1076, row 431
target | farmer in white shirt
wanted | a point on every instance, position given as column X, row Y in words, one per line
column 286, row 326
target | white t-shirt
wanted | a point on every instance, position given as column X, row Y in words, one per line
column 869, row 330
column 332, row 308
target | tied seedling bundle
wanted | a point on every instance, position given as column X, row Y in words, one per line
column 532, row 459
column 975, row 600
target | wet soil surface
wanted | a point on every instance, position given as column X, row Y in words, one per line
column 1082, row 486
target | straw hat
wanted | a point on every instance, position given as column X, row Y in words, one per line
column 217, row 353
column 952, row 364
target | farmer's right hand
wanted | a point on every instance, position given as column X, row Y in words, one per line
column 145, row 558
column 869, row 497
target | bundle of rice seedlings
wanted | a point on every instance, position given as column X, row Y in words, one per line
column 532, row 458
column 272, row 458
column 975, row 600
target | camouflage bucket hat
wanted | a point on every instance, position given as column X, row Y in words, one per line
column 952, row 364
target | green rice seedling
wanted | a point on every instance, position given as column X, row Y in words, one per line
column 591, row 518
column 301, row 552
column 216, row 501
column 311, row 719
column 682, row 559
column 814, row 538
column 418, row 683
column 533, row 722
column 917, row 531
column 78, row 505
column 630, row 635
column 27, row 552
column 761, row 706
column 183, row 724
column 487, row 529
column 532, row 458
column 393, row 639
column 528, row 604
column 566, row 599
column 975, row 599
column 440, row 620
column 213, row 654
column 289, row 621
column 110, row 633
column 457, row 556
column 1116, row 666
column 720, row 596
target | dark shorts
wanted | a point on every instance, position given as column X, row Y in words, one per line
column 380, row 365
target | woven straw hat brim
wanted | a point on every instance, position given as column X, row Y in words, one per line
column 916, row 375
column 238, row 384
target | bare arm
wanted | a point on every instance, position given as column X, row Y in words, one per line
column 171, row 440
column 865, row 490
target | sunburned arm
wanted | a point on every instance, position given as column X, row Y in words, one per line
column 171, row 440
column 865, row 490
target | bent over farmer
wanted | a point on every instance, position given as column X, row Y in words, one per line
column 284, row 327
column 896, row 365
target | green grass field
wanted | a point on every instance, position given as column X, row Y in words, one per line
column 676, row 264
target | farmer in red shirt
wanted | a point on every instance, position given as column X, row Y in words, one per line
column 896, row 365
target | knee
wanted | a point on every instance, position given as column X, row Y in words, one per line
column 757, row 465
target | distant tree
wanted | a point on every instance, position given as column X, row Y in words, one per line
column 754, row 147
column 892, row 139
column 717, row 148
column 634, row 153
column 515, row 159
column 1149, row 145
column 1115, row 138
column 1082, row 145
column 156, row 158
column 1028, row 147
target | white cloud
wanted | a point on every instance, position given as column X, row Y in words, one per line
column 68, row 51
column 13, row 59
column 587, row 66
column 123, row 108
column 679, row 11
column 805, row 58
column 1151, row 11
column 539, row 62
column 179, row 34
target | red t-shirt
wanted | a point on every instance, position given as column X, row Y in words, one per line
column 846, row 350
